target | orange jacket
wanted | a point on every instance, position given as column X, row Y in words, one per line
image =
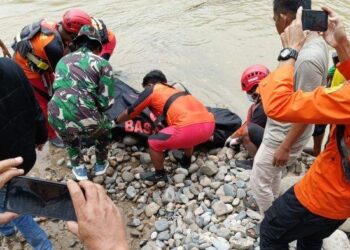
column 323, row 190
column 185, row 110
column 47, row 47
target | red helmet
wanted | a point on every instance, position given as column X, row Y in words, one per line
column 252, row 76
column 74, row 19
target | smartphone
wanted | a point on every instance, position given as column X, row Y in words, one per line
column 315, row 20
column 38, row 197
column 335, row 58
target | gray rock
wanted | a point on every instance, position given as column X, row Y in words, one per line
column 229, row 190
column 156, row 198
column 161, row 225
column 110, row 180
column 345, row 227
column 154, row 235
column 224, row 233
column 206, row 218
column 241, row 184
column 242, row 244
column 204, row 181
column 60, row 162
column 241, row 193
column 221, row 244
column 127, row 176
column 98, row 179
column 244, row 175
column 196, row 188
column 254, row 215
column 193, row 168
column 145, row 158
column 215, row 185
column 110, row 171
column 235, row 202
column 209, row 168
column 221, row 208
column 168, row 195
column 179, row 178
column 181, row 171
column 131, row 192
column 189, row 218
column 241, row 215
column 338, row 240
column 151, row 209
column 130, row 140
column 135, row 222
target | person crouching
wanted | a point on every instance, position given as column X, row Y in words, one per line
column 188, row 122
column 83, row 90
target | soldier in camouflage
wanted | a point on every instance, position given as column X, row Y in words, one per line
column 83, row 90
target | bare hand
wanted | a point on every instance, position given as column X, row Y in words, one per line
column 281, row 156
column 8, row 169
column 293, row 36
column 100, row 224
column 6, row 217
column 335, row 34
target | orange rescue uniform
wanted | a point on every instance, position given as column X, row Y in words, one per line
column 323, row 190
column 186, row 110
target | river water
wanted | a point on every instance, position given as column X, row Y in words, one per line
column 205, row 44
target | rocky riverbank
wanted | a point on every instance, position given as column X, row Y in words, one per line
column 208, row 206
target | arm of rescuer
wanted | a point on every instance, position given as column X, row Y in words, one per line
column 105, row 94
column 321, row 106
column 136, row 108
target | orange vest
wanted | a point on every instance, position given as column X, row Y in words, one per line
column 38, row 42
column 323, row 190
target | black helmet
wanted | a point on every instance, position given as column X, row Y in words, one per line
column 88, row 33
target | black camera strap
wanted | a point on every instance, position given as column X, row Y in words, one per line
column 343, row 151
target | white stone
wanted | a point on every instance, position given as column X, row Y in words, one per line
column 337, row 241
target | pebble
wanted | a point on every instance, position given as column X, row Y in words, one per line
column 241, row 184
column 221, row 208
column 168, row 195
column 60, row 162
column 145, row 158
column 131, row 192
column 241, row 193
column 245, row 175
column 179, row 178
column 236, row 202
column 127, row 176
column 98, row 179
column 135, row 222
column 161, row 225
column 164, row 235
column 154, row 235
column 209, row 168
column 229, row 190
column 130, row 140
column 151, row 209
column 254, row 215
column 221, row 244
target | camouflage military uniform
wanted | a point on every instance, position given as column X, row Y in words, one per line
column 83, row 90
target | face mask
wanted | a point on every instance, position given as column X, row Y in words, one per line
column 250, row 98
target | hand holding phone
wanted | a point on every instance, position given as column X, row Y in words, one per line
column 315, row 20
column 37, row 197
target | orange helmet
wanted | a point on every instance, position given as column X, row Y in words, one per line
column 74, row 19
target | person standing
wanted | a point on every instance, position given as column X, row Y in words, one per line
column 319, row 203
column 284, row 142
column 39, row 47
column 83, row 91
column 22, row 129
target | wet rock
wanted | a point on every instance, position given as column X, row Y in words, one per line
column 161, row 225
column 209, row 168
column 127, row 176
column 151, row 209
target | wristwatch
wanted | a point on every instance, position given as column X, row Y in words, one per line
column 287, row 53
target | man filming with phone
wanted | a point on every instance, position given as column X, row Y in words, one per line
column 100, row 224
column 316, row 206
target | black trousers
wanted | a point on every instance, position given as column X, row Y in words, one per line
column 287, row 220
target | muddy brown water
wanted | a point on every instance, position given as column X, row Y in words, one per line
column 204, row 44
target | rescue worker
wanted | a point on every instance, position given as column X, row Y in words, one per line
column 251, row 133
column 316, row 206
column 83, row 90
column 188, row 122
column 108, row 38
column 39, row 47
